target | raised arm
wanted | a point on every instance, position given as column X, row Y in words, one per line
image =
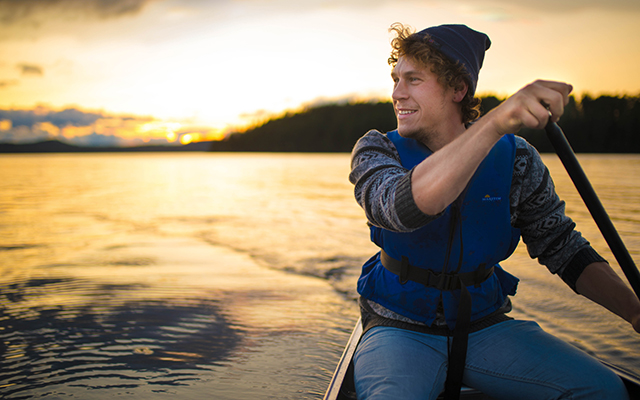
column 439, row 179
column 401, row 200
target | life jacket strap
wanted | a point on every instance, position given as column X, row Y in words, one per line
column 445, row 281
column 441, row 281
column 458, row 353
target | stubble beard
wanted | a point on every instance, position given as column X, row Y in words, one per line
column 424, row 135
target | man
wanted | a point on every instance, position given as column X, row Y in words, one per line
column 447, row 200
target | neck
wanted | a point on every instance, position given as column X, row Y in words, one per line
column 442, row 136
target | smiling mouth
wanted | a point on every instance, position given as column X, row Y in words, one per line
column 406, row 112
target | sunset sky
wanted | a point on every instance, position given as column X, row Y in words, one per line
column 157, row 71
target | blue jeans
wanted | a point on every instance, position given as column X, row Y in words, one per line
column 510, row 360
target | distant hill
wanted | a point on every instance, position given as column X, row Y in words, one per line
column 54, row 146
column 603, row 125
column 329, row 128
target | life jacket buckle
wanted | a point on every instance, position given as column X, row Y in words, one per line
column 481, row 274
column 444, row 281
column 441, row 281
column 404, row 270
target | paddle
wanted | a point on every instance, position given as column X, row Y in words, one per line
column 577, row 175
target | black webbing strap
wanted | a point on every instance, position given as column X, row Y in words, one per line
column 441, row 281
column 458, row 354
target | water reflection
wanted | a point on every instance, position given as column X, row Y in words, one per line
column 144, row 274
column 104, row 342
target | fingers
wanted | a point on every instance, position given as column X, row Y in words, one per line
column 539, row 114
column 564, row 89
column 544, row 100
column 553, row 96
column 532, row 107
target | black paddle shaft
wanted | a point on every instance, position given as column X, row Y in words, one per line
column 600, row 216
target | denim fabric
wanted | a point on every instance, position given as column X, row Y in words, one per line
column 510, row 360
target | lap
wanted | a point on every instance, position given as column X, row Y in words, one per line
column 513, row 359
column 392, row 363
column 517, row 359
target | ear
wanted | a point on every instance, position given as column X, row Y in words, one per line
column 460, row 91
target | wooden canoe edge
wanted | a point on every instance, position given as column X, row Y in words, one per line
column 333, row 392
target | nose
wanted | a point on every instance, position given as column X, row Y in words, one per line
column 399, row 90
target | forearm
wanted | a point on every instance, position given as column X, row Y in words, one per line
column 440, row 178
column 599, row 283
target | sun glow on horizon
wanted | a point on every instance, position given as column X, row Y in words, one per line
column 212, row 68
column 91, row 128
column 188, row 138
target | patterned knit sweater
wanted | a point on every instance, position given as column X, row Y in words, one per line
column 383, row 190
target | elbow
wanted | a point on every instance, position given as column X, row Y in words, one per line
column 430, row 200
column 430, row 206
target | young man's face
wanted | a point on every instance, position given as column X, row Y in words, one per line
column 421, row 103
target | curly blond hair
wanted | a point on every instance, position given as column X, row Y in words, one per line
column 419, row 48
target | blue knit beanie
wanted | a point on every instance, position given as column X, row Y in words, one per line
column 463, row 44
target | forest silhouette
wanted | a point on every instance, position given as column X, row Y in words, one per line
column 605, row 124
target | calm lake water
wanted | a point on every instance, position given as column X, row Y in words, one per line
column 227, row 276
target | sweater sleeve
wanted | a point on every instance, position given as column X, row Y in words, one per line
column 536, row 210
column 383, row 185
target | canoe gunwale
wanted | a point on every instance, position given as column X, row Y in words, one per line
column 335, row 390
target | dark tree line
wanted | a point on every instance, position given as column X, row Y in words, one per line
column 603, row 125
column 330, row 128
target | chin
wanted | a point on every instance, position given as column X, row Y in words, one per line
column 421, row 135
column 407, row 132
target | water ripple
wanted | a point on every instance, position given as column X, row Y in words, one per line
column 106, row 346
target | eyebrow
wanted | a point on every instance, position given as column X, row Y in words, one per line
column 405, row 74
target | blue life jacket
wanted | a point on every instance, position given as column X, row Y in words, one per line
column 482, row 235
